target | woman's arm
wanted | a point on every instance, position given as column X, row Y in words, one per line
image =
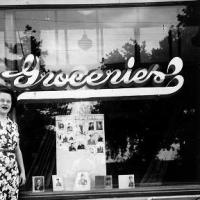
column 22, row 176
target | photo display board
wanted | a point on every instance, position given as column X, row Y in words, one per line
column 80, row 147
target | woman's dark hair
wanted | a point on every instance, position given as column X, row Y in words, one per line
column 5, row 89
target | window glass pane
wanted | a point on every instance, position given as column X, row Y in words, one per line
column 154, row 138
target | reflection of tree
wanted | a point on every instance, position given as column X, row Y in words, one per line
column 130, row 48
column 182, row 40
column 115, row 56
column 191, row 17
column 157, row 122
column 29, row 43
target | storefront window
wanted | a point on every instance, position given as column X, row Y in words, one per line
column 154, row 138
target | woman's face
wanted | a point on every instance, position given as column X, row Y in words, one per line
column 5, row 103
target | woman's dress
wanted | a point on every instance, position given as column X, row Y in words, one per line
column 9, row 174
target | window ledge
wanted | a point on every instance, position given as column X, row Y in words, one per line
column 174, row 190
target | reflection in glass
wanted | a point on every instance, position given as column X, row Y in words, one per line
column 154, row 139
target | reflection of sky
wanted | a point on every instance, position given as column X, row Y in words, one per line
column 118, row 27
column 2, row 52
column 77, row 56
column 116, row 38
column 152, row 36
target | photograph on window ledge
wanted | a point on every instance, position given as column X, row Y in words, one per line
column 108, row 182
column 82, row 181
column 57, row 183
column 126, row 181
column 99, row 182
column 38, row 184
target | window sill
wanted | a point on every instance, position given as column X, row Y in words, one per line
column 174, row 190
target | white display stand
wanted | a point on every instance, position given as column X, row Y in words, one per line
column 80, row 146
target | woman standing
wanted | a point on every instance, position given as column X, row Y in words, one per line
column 12, row 172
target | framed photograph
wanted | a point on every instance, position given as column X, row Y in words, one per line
column 99, row 182
column 57, row 183
column 108, row 182
column 99, row 125
column 126, row 181
column 38, row 183
column 69, row 127
column 91, row 126
column 61, row 126
column 82, row 181
column 100, row 147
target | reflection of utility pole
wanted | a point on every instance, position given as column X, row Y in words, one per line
column 179, row 41
column 10, row 38
column 170, row 44
column 97, row 36
column 137, row 46
column 56, row 37
column 137, row 52
column 102, row 41
column 66, row 46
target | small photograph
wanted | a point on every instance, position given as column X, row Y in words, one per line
column 65, row 139
column 80, row 146
column 91, row 126
column 81, row 129
column 99, row 182
column 69, row 127
column 99, row 125
column 131, row 182
column 100, row 139
column 71, row 139
column 59, row 139
column 61, row 126
column 91, row 140
column 126, row 181
column 100, row 147
column 72, row 147
column 38, row 183
column 82, row 181
column 57, row 183
column 108, row 182
column 92, row 149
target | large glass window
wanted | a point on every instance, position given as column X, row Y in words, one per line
column 156, row 138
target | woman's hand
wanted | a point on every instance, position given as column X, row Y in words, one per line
column 22, row 178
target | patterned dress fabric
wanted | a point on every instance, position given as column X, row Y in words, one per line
column 9, row 174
